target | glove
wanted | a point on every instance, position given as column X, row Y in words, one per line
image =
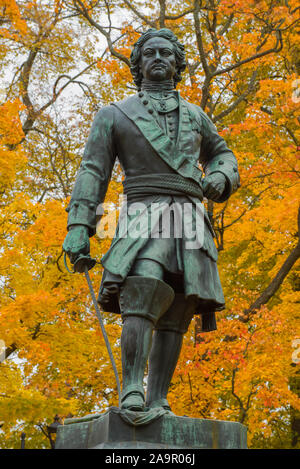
column 213, row 186
column 77, row 242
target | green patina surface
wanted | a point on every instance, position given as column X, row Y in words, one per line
column 125, row 429
column 160, row 141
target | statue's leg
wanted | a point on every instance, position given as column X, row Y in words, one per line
column 135, row 346
column 166, row 347
column 143, row 299
column 165, row 351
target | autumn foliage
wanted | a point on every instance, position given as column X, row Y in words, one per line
column 62, row 60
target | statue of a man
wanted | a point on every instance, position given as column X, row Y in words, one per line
column 157, row 283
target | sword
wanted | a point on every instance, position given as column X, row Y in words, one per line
column 84, row 264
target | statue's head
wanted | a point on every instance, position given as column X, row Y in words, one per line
column 157, row 56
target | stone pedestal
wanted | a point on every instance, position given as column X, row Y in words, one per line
column 118, row 430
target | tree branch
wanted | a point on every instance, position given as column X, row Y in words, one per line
column 162, row 13
column 277, row 280
column 206, row 68
column 9, row 350
column 226, row 25
column 202, row 54
column 140, row 15
column 177, row 17
column 243, row 411
column 84, row 11
column 242, row 97
column 277, row 48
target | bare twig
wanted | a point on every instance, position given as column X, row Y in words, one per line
column 85, row 13
column 277, row 48
column 242, row 97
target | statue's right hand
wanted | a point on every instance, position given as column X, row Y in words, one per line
column 77, row 242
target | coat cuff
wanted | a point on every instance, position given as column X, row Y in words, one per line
column 85, row 198
column 228, row 167
column 82, row 212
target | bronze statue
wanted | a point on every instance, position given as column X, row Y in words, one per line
column 157, row 283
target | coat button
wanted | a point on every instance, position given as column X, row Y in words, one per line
column 141, row 94
column 150, row 111
column 145, row 102
column 221, row 162
column 76, row 204
column 91, row 206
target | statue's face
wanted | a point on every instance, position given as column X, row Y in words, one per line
column 158, row 61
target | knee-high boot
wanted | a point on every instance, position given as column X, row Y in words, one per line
column 142, row 300
column 166, row 347
column 165, row 351
column 135, row 346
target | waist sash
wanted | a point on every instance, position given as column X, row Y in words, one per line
column 163, row 183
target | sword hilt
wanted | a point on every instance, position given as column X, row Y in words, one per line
column 83, row 261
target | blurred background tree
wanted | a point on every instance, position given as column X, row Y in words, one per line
column 60, row 62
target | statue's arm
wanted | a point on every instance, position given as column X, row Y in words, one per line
column 94, row 173
column 217, row 158
column 90, row 185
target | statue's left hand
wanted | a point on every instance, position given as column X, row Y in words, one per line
column 213, row 186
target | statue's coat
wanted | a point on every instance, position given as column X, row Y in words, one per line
column 129, row 130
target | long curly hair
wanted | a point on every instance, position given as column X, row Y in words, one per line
column 136, row 54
